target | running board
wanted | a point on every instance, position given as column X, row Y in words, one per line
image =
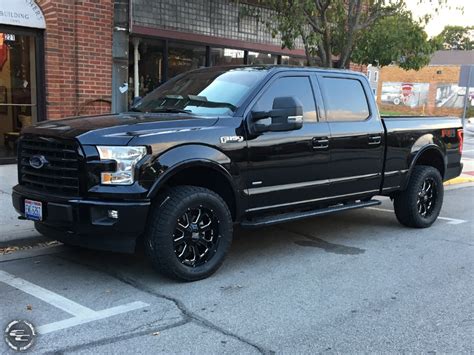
column 294, row 216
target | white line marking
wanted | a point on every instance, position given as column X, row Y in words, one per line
column 45, row 295
column 81, row 314
column 72, row 322
column 451, row 220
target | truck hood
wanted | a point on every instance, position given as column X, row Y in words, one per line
column 118, row 129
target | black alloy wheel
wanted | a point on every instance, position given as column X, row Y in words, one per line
column 426, row 199
column 196, row 236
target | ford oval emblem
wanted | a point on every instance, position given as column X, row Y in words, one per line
column 38, row 161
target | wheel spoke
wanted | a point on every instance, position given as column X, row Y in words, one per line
column 205, row 227
column 183, row 250
column 198, row 217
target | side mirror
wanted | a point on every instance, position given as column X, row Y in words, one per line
column 286, row 115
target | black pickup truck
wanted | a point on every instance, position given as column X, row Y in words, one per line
column 221, row 146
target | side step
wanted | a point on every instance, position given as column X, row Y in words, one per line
column 294, row 216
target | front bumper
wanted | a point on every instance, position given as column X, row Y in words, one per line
column 86, row 223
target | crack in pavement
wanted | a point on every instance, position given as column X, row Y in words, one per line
column 4, row 192
column 114, row 339
column 188, row 315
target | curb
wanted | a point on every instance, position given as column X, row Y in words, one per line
column 459, row 180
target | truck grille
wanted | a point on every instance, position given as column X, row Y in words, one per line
column 60, row 175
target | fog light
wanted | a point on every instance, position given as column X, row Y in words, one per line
column 113, row 214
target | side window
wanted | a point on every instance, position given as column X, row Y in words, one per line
column 297, row 86
column 344, row 99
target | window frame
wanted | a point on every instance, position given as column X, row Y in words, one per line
column 314, row 89
column 363, row 84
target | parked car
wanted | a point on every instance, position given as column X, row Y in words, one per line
column 221, row 146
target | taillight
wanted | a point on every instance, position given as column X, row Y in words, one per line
column 460, row 136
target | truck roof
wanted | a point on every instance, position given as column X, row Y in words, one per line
column 272, row 68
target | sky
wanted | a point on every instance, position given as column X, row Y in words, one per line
column 445, row 16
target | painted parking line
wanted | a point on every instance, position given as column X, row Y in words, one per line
column 450, row 220
column 81, row 313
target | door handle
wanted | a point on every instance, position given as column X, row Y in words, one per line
column 320, row 143
column 375, row 140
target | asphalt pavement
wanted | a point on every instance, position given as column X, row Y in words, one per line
column 347, row 283
column 351, row 282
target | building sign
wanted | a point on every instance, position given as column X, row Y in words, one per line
column 25, row 13
column 407, row 94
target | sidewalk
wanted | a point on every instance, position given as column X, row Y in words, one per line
column 11, row 228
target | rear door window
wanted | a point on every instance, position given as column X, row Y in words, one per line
column 344, row 99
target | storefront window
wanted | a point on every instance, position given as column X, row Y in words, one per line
column 18, row 106
column 286, row 60
column 262, row 58
column 150, row 66
column 226, row 56
column 184, row 57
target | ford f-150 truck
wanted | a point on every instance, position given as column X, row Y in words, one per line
column 215, row 147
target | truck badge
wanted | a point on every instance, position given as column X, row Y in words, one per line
column 232, row 139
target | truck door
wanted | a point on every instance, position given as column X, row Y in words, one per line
column 356, row 141
column 288, row 167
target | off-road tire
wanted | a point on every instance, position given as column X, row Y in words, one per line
column 162, row 224
column 406, row 202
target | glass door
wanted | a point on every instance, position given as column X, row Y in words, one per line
column 18, row 87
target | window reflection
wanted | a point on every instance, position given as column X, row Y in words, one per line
column 226, row 56
column 262, row 58
column 184, row 57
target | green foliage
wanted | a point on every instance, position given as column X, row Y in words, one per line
column 456, row 37
column 397, row 38
column 331, row 30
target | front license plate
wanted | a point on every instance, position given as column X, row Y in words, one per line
column 33, row 210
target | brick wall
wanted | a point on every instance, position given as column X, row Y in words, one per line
column 433, row 75
column 78, row 56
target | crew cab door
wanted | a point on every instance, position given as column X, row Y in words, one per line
column 356, row 140
column 288, row 167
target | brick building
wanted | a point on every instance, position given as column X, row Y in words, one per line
column 432, row 90
column 55, row 62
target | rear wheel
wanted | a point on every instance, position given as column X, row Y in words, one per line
column 190, row 233
column 420, row 204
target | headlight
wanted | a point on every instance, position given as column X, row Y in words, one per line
column 126, row 158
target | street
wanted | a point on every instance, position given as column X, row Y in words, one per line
column 351, row 282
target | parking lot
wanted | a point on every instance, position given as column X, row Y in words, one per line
column 351, row 282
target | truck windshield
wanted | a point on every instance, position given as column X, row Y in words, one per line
column 207, row 92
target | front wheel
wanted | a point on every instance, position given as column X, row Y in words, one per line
column 420, row 204
column 190, row 233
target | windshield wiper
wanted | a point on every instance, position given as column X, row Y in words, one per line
column 170, row 110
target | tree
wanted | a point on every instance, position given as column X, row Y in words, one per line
column 457, row 37
column 330, row 30
column 396, row 38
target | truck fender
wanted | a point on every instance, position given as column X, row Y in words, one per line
column 418, row 150
column 185, row 156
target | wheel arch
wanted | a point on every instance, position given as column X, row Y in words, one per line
column 197, row 166
column 430, row 155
